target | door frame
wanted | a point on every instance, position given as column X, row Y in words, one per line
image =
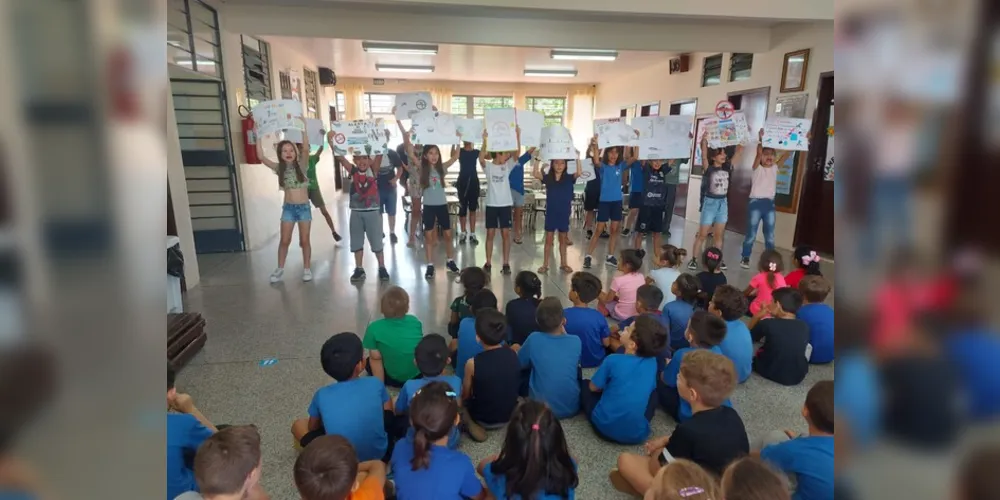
column 811, row 157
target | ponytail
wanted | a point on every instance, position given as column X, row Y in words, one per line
column 421, row 450
column 771, row 279
column 529, row 284
column 432, row 414
column 770, row 263
column 672, row 255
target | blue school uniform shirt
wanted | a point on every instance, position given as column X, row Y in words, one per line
column 497, row 484
column 591, row 327
column 559, row 194
column 810, row 459
column 611, row 181
column 449, row 476
column 677, row 314
column 554, row 361
column 410, row 389
column 819, row 317
column 665, row 353
column 857, row 397
column 184, row 435
column 738, row 346
column 669, row 378
column 353, row 409
column 974, row 354
column 467, row 345
column 517, row 173
column 636, row 177
column 626, row 382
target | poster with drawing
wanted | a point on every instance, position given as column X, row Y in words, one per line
column 702, row 127
column 358, row 137
column 500, row 125
column 786, row 134
column 731, row 132
column 411, row 103
column 271, row 117
column 470, row 128
column 613, row 132
column 433, row 127
column 531, row 124
column 664, row 137
column 315, row 132
column 570, row 167
column 557, row 143
column 828, row 168
column 587, row 174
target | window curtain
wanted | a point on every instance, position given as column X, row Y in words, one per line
column 442, row 99
column 580, row 116
column 354, row 97
column 520, row 100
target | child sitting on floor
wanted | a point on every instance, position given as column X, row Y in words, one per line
column 329, row 470
column 808, row 459
column 391, row 340
column 520, row 312
column 704, row 331
column 712, row 277
column 712, row 437
column 785, row 356
column 751, row 479
column 806, row 264
column 586, row 323
column 818, row 316
column 679, row 480
column 534, row 462
column 767, row 280
column 227, row 465
column 619, row 401
column 187, row 429
column 619, row 302
column 678, row 312
column 466, row 346
column 647, row 294
column 554, row 361
column 670, row 259
column 729, row 304
column 473, row 280
column 431, row 357
column 492, row 378
column 370, row 412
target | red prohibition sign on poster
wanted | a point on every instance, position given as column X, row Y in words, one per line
column 724, row 110
column 339, row 138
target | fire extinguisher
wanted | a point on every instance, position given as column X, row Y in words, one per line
column 249, row 135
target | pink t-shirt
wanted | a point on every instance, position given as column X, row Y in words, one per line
column 764, row 290
column 626, row 286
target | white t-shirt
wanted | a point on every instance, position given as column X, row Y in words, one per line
column 664, row 278
column 765, row 182
column 498, row 183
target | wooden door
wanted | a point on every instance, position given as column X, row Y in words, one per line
column 753, row 104
column 814, row 224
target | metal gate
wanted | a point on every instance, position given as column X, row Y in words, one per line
column 202, row 125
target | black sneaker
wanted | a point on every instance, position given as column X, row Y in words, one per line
column 383, row 274
column 473, row 239
column 605, row 235
column 723, row 266
column 693, row 265
column 641, row 253
column 626, row 231
column 359, row 275
column 611, row 261
column 487, row 268
column 430, row 272
column 393, row 239
column 452, row 266
column 590, row 234
column 505, row 269
column 745, row 262
column 587, row 261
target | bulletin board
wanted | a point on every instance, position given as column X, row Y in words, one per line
column 789, row 184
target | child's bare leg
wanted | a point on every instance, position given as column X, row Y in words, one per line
column 613, row 241
column 718, row 232
column 429, row 242
column 549, row 236
column 490, row 235
column 656, row 246
column 329, row 219
column 506, row 246
column 593, row 241
column 563, row 243
column 300, row 427
column 699, row 240
column 285, row 242
column 359, row 258
column 635, row 469
column 449, row 249
column 517, row 222
column 380, row 258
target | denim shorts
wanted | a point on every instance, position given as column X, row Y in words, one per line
column 296, row 212
column 518, row 198
column 387, row 201
column 714, row 211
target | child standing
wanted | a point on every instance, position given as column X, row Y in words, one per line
column 499, row 200
column 767, row 280
column 534, row 462
column 653, row 210
column 520, row 312
column 473, row 280
column 669, row 260
column 228, row 465
column 704, row 331
column 678, row 312
column 371, row 408
column 492, row 378
column 392, row 340
column 467, row 345
column 762, row 190
column 818, row 316
column 619, row 302
column 558, row 205
column 423, row 467
column 187, row 429
column 554, row 360
column 727, row 303
column 389, row 175
column 714, row 198
column 468, row 192
column 365, row 217
column 586, row 323
column 431, row 357
column 711, row 277
column 751, row 479
column 435, row 204
column 618, row 400
column 291, row 169
column 611, row 166
column 634, row 177
column 517, row 190
column 712, row 437
column 806, row 264
column 809, row 459
column 785, row 356
column 316, row 196
column 329, row 470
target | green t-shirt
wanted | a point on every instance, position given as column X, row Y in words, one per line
column 674, row 176
column 396, row 339
column 311, row 172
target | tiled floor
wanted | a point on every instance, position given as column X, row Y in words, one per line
column 250, row 320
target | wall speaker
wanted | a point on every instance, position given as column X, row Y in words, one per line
column 327, row 77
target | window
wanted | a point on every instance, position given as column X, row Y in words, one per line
column 480, row 104
column 193, row 37
column 683, row 107
column 740, row 66
column 341, row 106
column 380, row 106
column 311, row 88
column 256, row 70
column 651, row 109
column 285, row 81
column 460, row 105
column 552, row 108
column 712, row 72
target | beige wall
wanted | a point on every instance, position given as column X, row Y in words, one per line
column 657, row 84
column 464, row 88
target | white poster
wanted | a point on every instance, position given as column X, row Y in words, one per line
column 358, row 137
column 500, row 125
column 731, row 132
column 557, row 143
column 531, row 124
column 587, row 174
column 470, row 128
column 433, row 127
column 314, row 128
column 613, row 132
column 271, row 117
column 664, row 137
column 412, row 103
column 786, row 133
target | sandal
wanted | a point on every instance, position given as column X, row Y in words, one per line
column 566, row 269
column 518, row 241
column 543, row 269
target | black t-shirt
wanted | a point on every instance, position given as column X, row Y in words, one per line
column 655, row 184
column 783, row 357
column 521, row 318
column 922, row 406
column 709, row 282
column 711, row 438
column 495, row 384
column 468, row 162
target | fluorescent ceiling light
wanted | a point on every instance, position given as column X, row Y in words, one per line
column 402, row 68
column 563, row 73
column 399, row 48
column 584, row 55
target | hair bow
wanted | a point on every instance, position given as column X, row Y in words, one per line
column 690, row 491
column 712, row 255
column 773, row 266
column 812, row 257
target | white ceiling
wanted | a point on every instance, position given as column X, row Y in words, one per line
column 479, row 63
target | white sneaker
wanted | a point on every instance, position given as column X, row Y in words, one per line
column 277, row 275
column 307, row 275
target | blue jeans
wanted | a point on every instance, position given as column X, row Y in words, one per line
column 759, row 210
column 889, row 226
